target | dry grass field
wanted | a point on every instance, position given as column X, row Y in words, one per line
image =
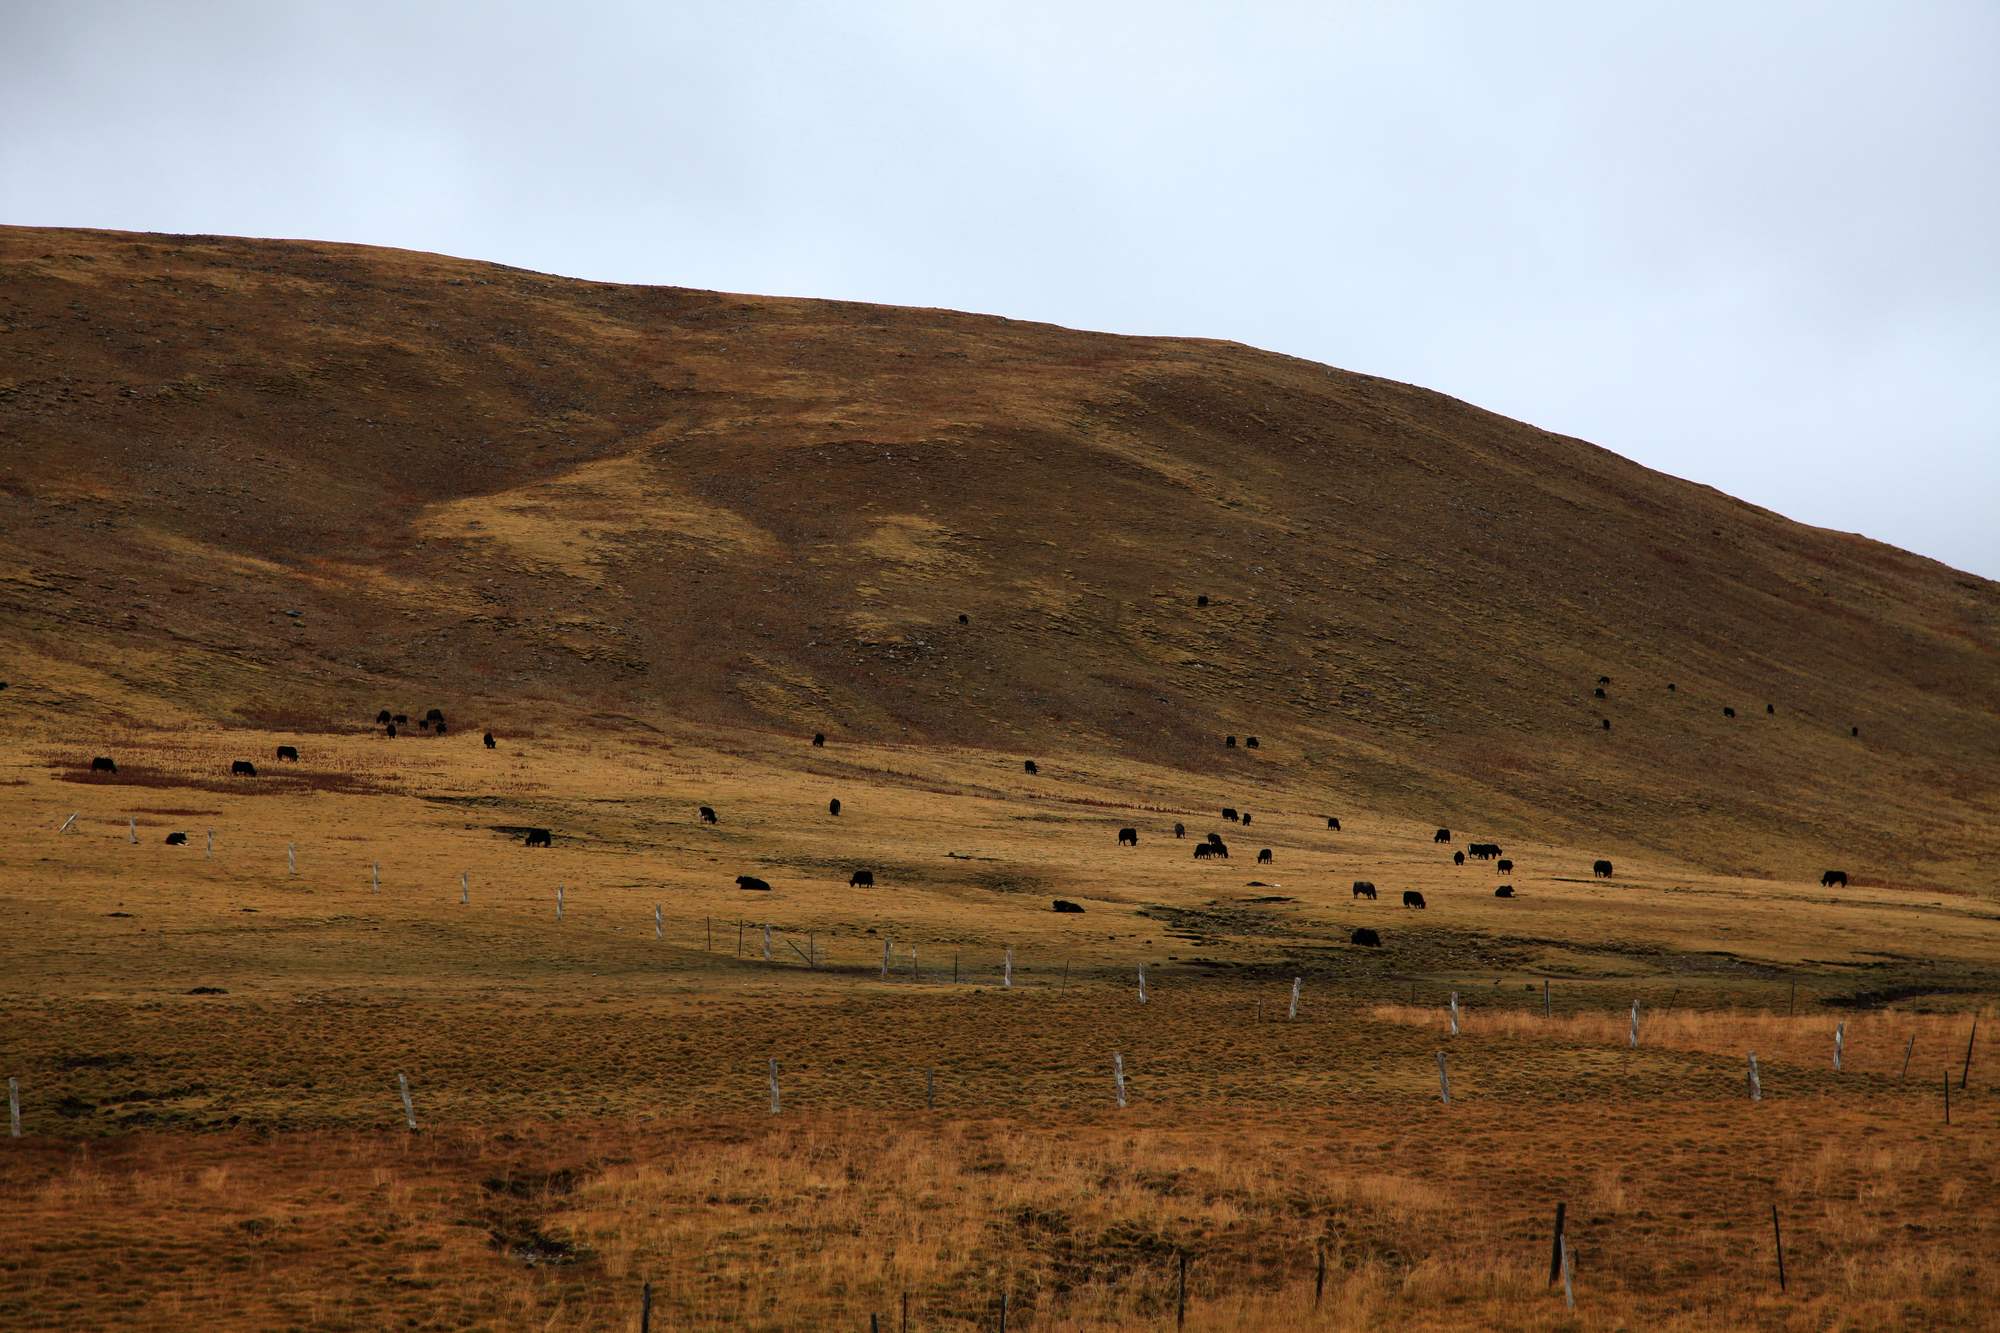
column 592, row 1091
column 654, row 539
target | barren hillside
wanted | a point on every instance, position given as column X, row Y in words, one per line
column 567, row 505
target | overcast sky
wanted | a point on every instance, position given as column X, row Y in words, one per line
column 1756, row 245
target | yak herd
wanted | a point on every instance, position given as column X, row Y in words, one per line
column 1210, row 848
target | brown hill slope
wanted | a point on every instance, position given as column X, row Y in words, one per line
column 553, row 501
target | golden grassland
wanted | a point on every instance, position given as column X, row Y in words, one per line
column 592, row 1093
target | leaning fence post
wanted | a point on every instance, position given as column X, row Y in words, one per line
column 72, row 819
column 1839, row 1042
column 292, row 858
column 774, row 1085
column 1911, row 1046
column 1444, row 1080
column 132, row 830
column 1118, row 1077
column 1966, row 1072
column 409, row 1111
column 1294, row 1013
column 209, row 851
column 659, row 923
column 1778, row 1240
column 1756, row 1088
column 13, row 1108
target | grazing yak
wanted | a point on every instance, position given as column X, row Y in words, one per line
column 1485, row 851
column 833, row 806
column 1771, row 709
column 1215, row 839
column 391, row 730
column 1604, row 680
column 103, row 764
column 1458, row 858
column 1832, row 877
column 1364, row 889
column 1264, row 857
column 1504, row 866
column 1411, row 898
column 1229, row 741
column 861, row 879
column 401, row 719
column 1203, row 850
column 489, row 740
column 1729, row 712
column 1180, row 830
column 288, row 752
column 819, row 739
column 1065, row 905
column 1366, row 938
column 1246, row 816
column 1601, row 869
column 1606, row 721
column 752, row 882
column 440, row 728
column 1854, row 731
column 964, row 619
column 1598, row 692
column 177, row 839
column 1504, row 891
column 243, row 768
column 1229, row 813
column 434, row 716
column 539, row 837
column 707, row 814
column 382, row 718
column 1220, row 848
column 1201, row 599
column 1442, row 835
column 1128, row 837
column 1333, row 823
column 1250, row 741
column 1028, row 766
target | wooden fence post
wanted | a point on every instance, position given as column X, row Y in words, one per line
column 1778, row 1240
column 1319, row 1276
column 209, row 852
column 1007, row 970
column 292, row 858
column 1756, row 1087
column 1118, row 1077
column 132, row 830
column 739, row 937
column 1907, row 1049
column 374, row 877
column 1180, row 1295
column 1452, row 1014
column 1556, row 1245
column 1546, row 1011
column 1947, row 1096
column 1633, row 1040
column 559, row 902
column 1444, row 1080
column 1294, row 1013
column 409, row 1110
column 1966, row 1072
column 659, row 923
column 13, row 1108
column 774, row 1085
column 646, row 1308
column 914, row 974
column 1569, row 1289
column 906, row 1313
column 1142, row 983
column 767, row 941
column 1003, row 1312
column 464, row 887
column 1839, row 1044
column 885, row 958
column 72, row 819
column 707, row 934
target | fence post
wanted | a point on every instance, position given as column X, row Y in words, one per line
column 409, row 1110
column 767, row 941
column 208, row 853
column 646, row 1308
column 559, row 902
column 885, row 958
column 1633, row 1039
column 292, row 858
column 1319, row 1276
column 1180, row 1295
column 1453, row 1014
column 774, row 1085
column 1906, row 1057
column 1556, row 1245
column 1966, row 1072
column 1839, row 1042
column 1444, row 1080
column 1294, row 1013
column 1756, row 1088
column 132, row 830
column 1546, row 1012
column 464, row 888
column 72, row 819
column 914, row 974
column 1142, row 983
column 1778, row 1240
column 1947, row 1096
column 659, row 923
column 374, row 877
column 1118, row 1077
column 13, row 1108
column 1007, row 970
column 1569, row 1290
